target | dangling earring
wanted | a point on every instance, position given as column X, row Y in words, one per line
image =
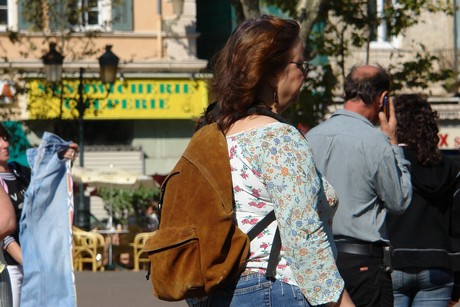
column 275, row 98
column 276, row 103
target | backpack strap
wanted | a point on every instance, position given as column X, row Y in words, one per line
column 261, row 225
column 274, row 253
column 270, row 272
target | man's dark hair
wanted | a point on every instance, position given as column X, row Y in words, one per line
column 365, row 85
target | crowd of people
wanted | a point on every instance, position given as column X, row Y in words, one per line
column 359, row 226
column 365, row 202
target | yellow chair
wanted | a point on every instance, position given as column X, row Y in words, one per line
column 138, row 245
column 88, row 248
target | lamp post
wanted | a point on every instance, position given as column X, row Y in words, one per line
column 53, row 64
column 108, row 64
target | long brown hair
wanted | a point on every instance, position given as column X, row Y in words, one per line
column 257, row 50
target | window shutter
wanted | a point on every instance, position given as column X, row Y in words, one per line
column 23, row 24
column 122, row 16
column 57, row 19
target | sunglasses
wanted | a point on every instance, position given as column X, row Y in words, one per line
column 303, row 66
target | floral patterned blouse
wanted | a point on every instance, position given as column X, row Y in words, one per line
column 272, row 168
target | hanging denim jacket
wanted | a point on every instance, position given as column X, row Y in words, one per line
column 45, row 228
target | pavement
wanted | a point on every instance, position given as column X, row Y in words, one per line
column 117, row 289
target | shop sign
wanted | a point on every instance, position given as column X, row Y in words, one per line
column 449, row 138
column 131, row 99
column 7, row 91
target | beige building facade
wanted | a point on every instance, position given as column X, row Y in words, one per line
column 141, row 123
column 160, row 86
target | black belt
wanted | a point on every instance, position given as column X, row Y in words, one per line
column 365, row 249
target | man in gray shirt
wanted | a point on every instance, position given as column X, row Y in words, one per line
column 368, row 170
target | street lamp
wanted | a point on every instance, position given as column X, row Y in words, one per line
column 108, row 64
column 53, row 64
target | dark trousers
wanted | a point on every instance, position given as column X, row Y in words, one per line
column 366, row 280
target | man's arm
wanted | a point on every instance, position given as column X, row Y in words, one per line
column 393, row 185
column 393, row 181
column 7, row 215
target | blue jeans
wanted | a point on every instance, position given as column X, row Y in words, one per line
column 257, row 291
column 45, row 228
column 422, row 288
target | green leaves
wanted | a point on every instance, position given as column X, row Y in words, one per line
column 348, row 28
column 126, row 202
column 419, row 72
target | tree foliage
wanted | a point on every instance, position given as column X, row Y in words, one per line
column 128, row 202
column 332, row 30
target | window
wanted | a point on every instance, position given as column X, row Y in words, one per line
column 3, row 12
column 78, row 15
column 90, row 15
column 379, row 32
column 8, row 15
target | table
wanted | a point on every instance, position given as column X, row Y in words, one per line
column 110, row 233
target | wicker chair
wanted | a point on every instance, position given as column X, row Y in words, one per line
column 138, row 245
column 88, row 248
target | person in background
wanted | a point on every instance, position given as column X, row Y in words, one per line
column 7, row 217
column 15, row 178
column 151, row 217
column 257, row 76
column 367, row 168
column 7, row 226
column 421, row 236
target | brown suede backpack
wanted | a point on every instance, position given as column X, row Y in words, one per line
column 198, row 248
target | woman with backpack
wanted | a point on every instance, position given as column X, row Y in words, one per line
column 257, row 76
